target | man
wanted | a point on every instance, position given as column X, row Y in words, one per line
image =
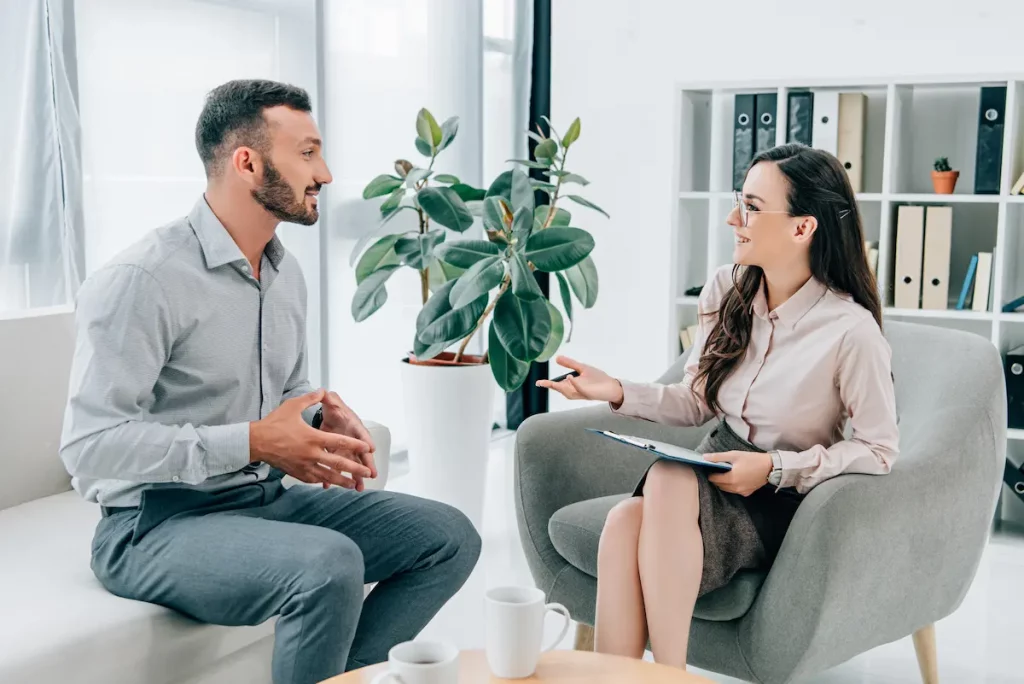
column 189, row 402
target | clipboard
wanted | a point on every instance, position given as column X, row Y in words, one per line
column 664, row 450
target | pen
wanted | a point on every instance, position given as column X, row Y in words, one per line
column 627, row 440
column 560, row 378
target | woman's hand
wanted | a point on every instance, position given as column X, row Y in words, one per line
column 750, row 470
column 591, row 383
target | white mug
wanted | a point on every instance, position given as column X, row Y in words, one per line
column 421, row 662
column 515, row 629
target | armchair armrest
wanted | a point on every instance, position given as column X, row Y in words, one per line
column 871, row 559
column 558, row 463
column 382, row 440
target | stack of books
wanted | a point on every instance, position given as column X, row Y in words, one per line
column 871, row 250
column 976, row 291
column 687, row 336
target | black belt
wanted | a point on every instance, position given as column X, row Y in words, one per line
column 108, row 511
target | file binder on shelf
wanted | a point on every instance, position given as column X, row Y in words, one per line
column 909, row 252
column 765, row 105
column 938, row 237
column 850, row 139
column 989, row 157
column 742, row 138
column 825, row 131
column 800, row 110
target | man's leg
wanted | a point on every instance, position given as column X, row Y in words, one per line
column 419, row 551
column 229, row 568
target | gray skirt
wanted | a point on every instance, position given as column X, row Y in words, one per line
column 739, row 533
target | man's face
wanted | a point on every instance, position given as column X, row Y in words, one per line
column 293, row 170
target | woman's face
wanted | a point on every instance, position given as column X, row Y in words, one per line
column 771, row 237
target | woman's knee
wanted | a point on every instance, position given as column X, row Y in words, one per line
column 670, row 483
column 624, row 519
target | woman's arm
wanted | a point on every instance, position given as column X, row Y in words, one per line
column 864, row 377
column 678, row 404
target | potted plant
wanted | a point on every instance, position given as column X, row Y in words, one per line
column 481, row 289
column 943, row 177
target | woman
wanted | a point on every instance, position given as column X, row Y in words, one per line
column 789, row 346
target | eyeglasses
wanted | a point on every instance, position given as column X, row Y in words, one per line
column 745, row 213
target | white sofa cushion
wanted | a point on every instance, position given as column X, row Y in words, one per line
column 59, row 624
column 35, row 361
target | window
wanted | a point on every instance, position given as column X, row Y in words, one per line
column 383, row 61
column 145, row 67
column 40, row 217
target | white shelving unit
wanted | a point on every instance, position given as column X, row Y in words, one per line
column 909, row 123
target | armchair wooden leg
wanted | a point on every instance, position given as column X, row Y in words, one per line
column 924, row 645
column 584, row 637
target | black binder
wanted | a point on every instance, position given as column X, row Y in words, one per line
column 742, row 138
column 1013, row 366
column 991, row 122
column 801, row 118
column 765, row 105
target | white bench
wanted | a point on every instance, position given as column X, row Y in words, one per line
column 57, row 623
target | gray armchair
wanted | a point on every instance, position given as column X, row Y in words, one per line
column 867, row 560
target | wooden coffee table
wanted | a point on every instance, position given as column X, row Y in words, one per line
column 560, row 667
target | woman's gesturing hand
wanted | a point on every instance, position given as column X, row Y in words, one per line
column 586, row 382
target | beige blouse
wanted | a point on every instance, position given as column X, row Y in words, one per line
column 812, row 363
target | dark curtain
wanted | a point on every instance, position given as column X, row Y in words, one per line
column 529, row 399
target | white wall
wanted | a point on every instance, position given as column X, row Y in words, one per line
column 615, row 65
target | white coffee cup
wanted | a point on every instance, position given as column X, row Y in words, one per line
column 515, row 629
column 421, row 662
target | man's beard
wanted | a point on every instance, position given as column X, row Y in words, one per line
column 277, row 197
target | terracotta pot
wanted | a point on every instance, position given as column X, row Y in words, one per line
column 447, row 359
column 944, row 181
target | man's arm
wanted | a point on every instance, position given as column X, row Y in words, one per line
column 125, row 333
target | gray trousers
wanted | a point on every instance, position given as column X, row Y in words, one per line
column 302, row 554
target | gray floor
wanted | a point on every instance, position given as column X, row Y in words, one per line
column 978, row 644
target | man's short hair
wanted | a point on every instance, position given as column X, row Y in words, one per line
column 233, row 116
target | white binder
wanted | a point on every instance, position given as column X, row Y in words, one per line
column 909, row 248
column 825, row 131
column 850, row 140
column 938, row 236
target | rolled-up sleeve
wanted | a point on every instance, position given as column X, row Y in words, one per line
column 124, row 337
column 864, row 377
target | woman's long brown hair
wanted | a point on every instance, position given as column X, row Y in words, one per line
column 818, row 187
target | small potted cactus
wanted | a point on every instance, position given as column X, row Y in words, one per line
column 943, row 177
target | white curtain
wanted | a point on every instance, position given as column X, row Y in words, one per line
column 40, row 168
column 145, row 67
column 383, row 61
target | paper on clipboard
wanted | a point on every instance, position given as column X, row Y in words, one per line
column 664, row 450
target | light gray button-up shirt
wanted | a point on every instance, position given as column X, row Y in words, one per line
column 178, row 348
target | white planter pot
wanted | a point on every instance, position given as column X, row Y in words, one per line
column 449, row 414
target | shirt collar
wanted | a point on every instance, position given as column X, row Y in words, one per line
column 794, row 308
column 218, row 246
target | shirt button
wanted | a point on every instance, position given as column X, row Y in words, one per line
column 176, row 478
